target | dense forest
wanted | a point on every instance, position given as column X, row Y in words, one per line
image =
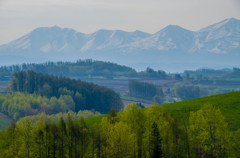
column 176, row 86
column 151, row 73
column 189, row 92
column 135, row 132
column 89, row 68
column 18, row 105
column 145, row 90
column 54, row 118
column 84, row 69
column 207, row 72
column 76, row 94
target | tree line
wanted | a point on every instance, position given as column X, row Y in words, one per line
column 54, row 118
column 145, row 90
column 80, row 69
column 18, row 105
column 189, row 92
column 84, row 69
column 235, row 73
column 133, row 133
column 156, row 94
column 80, row 95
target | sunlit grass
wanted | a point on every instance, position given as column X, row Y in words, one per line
column 228, row 103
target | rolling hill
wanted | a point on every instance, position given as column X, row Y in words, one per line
column 228, row 103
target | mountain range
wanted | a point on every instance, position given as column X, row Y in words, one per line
column 172, row 49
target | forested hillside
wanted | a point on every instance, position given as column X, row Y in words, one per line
column 85, row 69
column 195, row 128
column 145, row 90
column 79, row 95
column 80, row 69
column 176, row 86
column 18, row 105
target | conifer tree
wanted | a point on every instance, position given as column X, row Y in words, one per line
column 62, row 137
column 112, row 116
column 155, row 143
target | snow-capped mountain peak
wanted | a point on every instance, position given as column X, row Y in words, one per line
column 220, row 38
column 226, row 22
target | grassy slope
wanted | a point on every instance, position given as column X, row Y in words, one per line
column 228, row 103
column 4, row 121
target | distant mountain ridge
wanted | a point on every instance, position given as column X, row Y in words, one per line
column 136, row 49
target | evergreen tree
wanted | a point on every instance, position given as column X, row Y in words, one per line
column 70, row 135
column 112, row 116
column 62, row 129
column 155, row 143
column 81, row 95
column 55, row 138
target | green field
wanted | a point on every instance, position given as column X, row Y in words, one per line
column 228, row 103
column 134, row 98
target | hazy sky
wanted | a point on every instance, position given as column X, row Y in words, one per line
column 18, row 17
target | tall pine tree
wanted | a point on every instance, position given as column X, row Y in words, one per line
column 155, row 143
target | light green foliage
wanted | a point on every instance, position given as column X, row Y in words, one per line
column 25, row 135
column 9, row 142
column 18, row 105
column 134, row 132
column 119, row 139
column 38, row 138
column 208, row 132
column 227, row 103
column 54, row 118
column 57, row 105
column 235, row 144
column 85, row 95
column 68, row 100
column 135, row 118
column 163, row 120
column 13, row 84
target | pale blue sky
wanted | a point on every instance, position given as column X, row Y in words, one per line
column 18, row 17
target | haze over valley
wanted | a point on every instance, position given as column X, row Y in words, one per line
column 119, row 79
column 173, row 49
